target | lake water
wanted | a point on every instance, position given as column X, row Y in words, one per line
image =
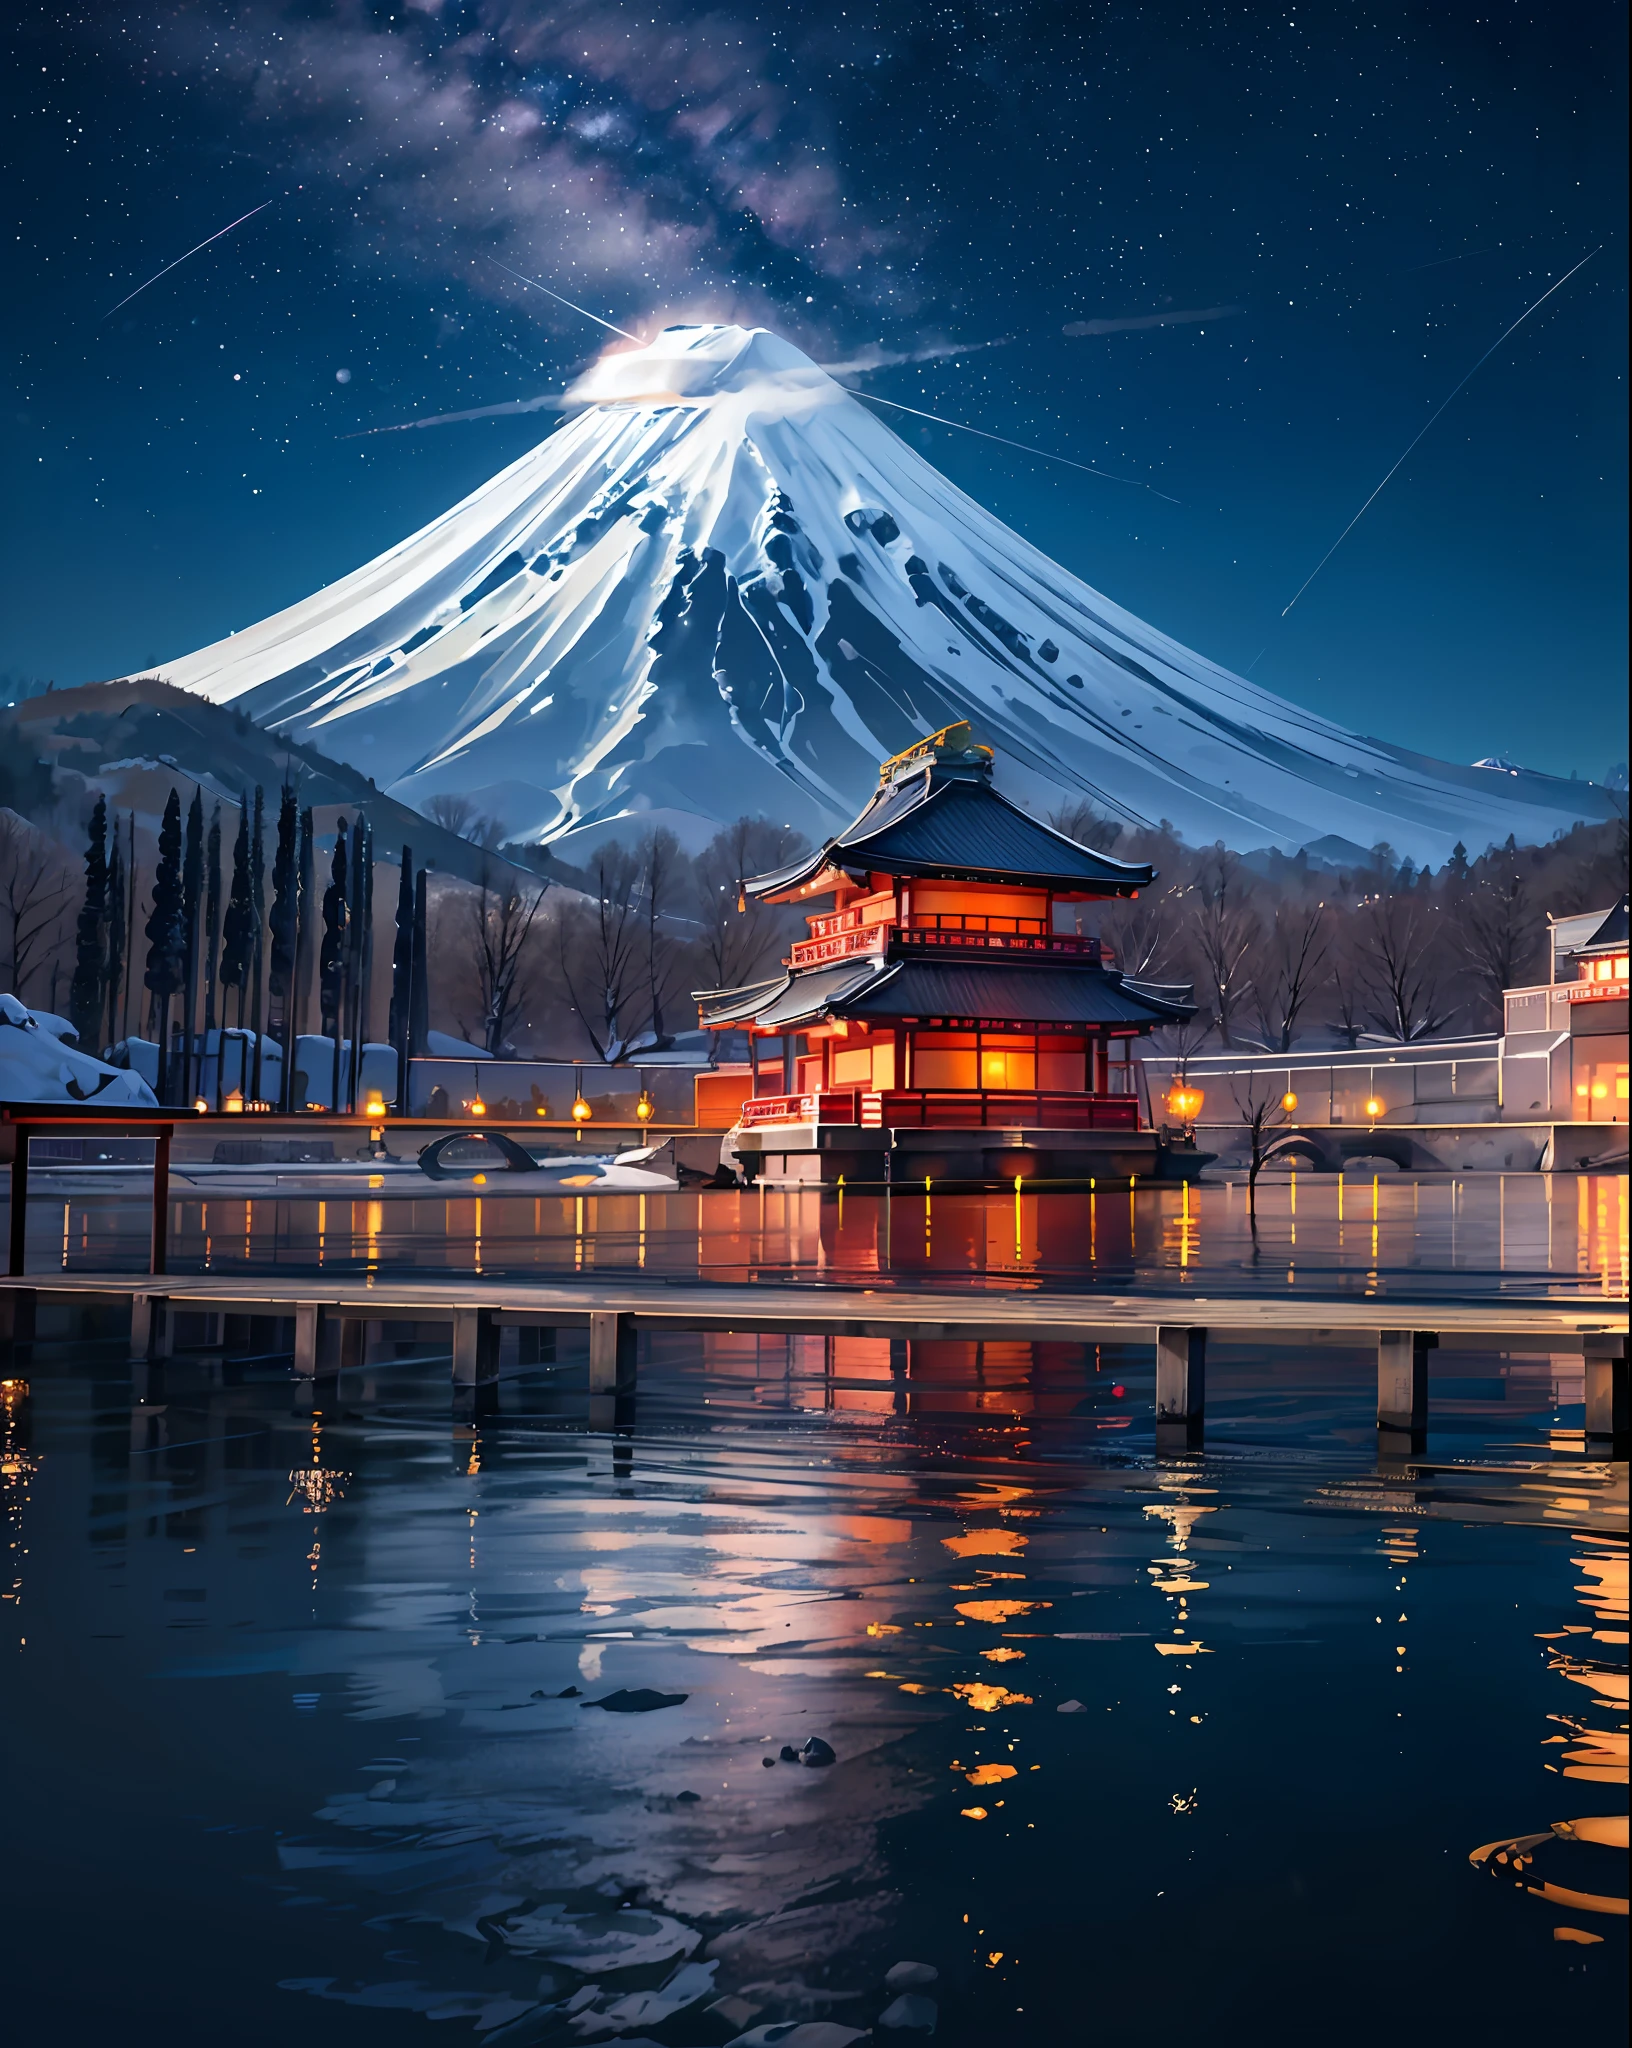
column 1438, row 1236
column 302, row 1738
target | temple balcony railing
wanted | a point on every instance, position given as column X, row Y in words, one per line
column 823, row 1106
column 947, row 1109
column 965, row 1108
column 862, row 940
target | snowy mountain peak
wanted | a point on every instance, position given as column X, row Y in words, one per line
column 699, row 362
column 726, row 586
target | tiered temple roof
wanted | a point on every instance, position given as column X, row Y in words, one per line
column 937, row 818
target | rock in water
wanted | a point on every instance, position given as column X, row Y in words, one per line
column 816, row 1753
column 788, row 1753
column 798, row 2034
column 910, row 1976
column 642, row 1700
column 910, row 2015
column 1070, row 1707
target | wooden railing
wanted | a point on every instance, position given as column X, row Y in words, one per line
column 946, row 1109
column 913, row 936
column 962, row 1108
column 825, row 1106
column 860, row 940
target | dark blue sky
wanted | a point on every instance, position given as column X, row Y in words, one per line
column 1361, row 199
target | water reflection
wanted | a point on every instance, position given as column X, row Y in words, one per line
column 322, row 1699
column 1474, row 1234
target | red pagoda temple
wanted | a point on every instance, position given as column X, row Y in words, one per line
column 935, row 1023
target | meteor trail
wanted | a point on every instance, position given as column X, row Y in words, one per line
column 208, row 239
column 1455, row 388
column 544, row 288
column 873, row 398
column 548, row 403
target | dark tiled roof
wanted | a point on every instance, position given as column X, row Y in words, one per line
column 1007, row 994
column 957, row 827
column 794, row 1000
column 1612, row 932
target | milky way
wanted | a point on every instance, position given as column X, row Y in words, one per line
column 1237, row 255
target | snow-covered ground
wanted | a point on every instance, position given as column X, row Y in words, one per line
column 726, row 586
column 39, row 1062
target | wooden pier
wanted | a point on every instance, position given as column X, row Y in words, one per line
column 330, row 1318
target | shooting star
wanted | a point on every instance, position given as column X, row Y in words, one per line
column 1485, row 358
column 548, row 403
column 545, row 289
column 165, row 272
column 1088, row 469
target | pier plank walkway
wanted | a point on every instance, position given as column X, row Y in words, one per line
column 331, row 1315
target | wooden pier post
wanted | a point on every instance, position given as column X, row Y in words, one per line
column 152, row 1332
column 159, row 1237
column 1402, row 1383
column 16, row 1324
column 475, row 1354
column 14, row 1150
column 1181, row 1385
column 611, row 1351
column 1605, row 1360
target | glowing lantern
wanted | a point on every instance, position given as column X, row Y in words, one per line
column 1374, row 1107
column 1185, row 1102
column 235, row 1103
column 375, row 1106
column 478, row 1107
column 1289, row 1102
column 581, row 1111
column 645, row 1107
column 201, row 1105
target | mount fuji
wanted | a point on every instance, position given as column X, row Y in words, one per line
column 725, row 586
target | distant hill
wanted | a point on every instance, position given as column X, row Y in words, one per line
column 136, row 739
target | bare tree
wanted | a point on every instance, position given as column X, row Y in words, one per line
column 1294, row 953
column 661, row 868
column 1499, row 933
column 1402, row 961
column 458, row 815
column 1261, row 1107
column 1141, row 935
column 35, row 892
column 740, row 937
column 1224, row 929
column 501, row 916
column 599, row 949
column 1348, row 1000
column 1087, row 824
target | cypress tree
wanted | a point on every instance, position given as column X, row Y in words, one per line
column 285, row 915
column 257, row 909
column 212, row 922
column 130, row 927
column 238, row 931
column 359, row 953
column 402, row 974
column 332, row 960
column 192, row 890
column 305, row 929
column 116, row 940
column 164, row 934
column 419, row 1002
column 88, row 992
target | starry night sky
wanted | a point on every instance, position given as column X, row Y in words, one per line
column 1335, row 209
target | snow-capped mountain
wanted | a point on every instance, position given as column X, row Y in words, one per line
column 726, row 586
